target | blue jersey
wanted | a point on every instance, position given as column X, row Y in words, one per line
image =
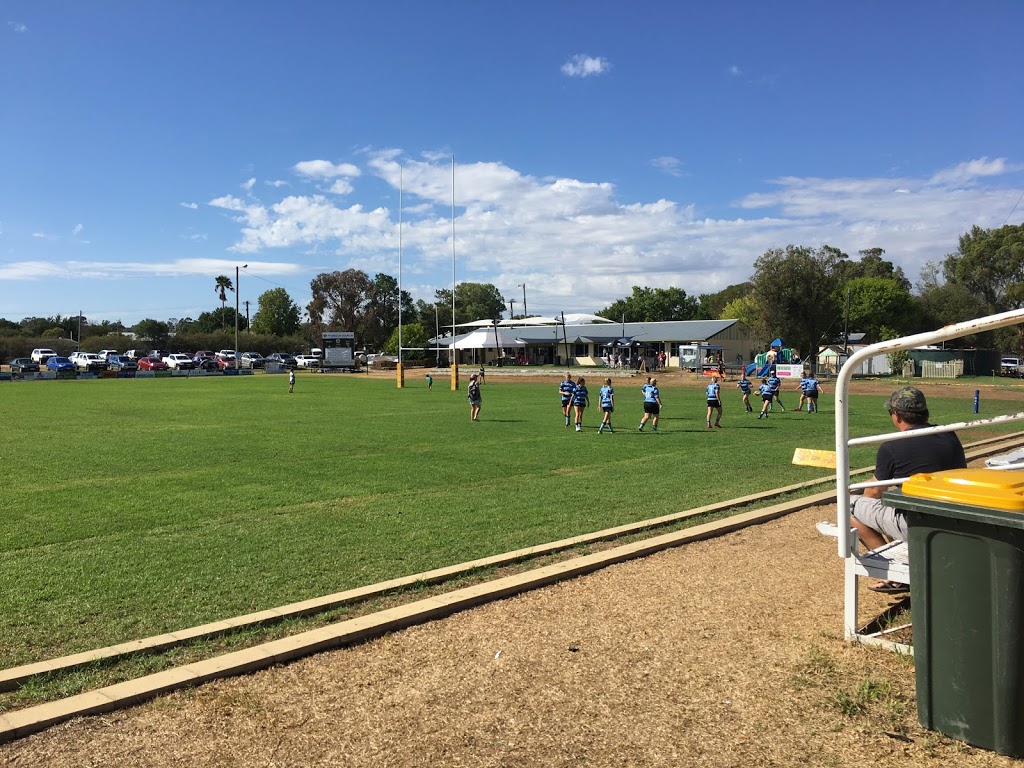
column 580, row 395
column 809, row 384
column 712, row 390
column 650, row 393
column 607, row 393
column 566, row 388
column 745, row 386
column 765, row 390
column 774, row 382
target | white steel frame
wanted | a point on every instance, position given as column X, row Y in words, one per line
column 889, row 562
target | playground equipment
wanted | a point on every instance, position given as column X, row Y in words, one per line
column 778, row 353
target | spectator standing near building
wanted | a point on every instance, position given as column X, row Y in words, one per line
column 745, row 387
column 473, row 395
column 714, row 392
column 765, row 391
column 607, row 395
column 776, row 385
column 652, row 404
column 580, row 401
column 565, row 390
column 933, row 452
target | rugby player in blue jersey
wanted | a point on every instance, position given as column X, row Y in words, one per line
column 714, row 392
column 565, row 389
column 810, row 388
column 607, row 396
column 652, row 403
column 746, row 387
column 580, row 400
column 776, row 384
column 765, row 391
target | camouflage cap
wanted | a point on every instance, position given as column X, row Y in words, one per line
column 907, row 400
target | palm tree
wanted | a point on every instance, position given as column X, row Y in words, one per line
column 223, row 285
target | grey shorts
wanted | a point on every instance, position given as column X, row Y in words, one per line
column 874, row 514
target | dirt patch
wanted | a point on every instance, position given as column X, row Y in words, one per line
column 726, row 652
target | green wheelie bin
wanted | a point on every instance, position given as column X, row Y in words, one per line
column 966, row 547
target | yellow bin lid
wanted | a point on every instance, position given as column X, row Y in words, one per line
column 978, row 487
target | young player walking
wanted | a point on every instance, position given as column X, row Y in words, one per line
column 714, row 392
column 607, row 395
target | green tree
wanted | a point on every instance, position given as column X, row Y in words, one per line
column 712, row 305
column 277, row 315
column 878, row 301
column 222, row 285
column 339, row 300
column 154, row 332
column 796, row 288
column 473, row 301
column 217, row 320
column 651, row 305
column 413, row 335
column 990, row 264
column 871, row 264
column 747, row 311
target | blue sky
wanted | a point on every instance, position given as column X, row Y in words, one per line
column 147, row 147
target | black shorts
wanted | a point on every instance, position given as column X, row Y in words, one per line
column 608, row 408
column 652, row 408
column 813, row 394
column 566, row 401
column 714, row 403
column 767, row 398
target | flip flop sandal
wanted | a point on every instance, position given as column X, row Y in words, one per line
column 890, row 588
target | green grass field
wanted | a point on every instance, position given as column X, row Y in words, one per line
column 133, row 507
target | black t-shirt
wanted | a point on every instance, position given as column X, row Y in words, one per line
column 927, row 453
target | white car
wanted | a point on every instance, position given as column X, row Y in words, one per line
column 42, row 355
column 88, row 361
column 307, row 361
column 180, row 362
column 105, row 353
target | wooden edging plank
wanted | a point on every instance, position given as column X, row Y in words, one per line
column 19, row 723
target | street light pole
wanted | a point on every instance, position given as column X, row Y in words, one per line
column 523, row 286
column 511, row 312
column 237, row 361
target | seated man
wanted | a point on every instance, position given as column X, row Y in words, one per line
column 933, row 452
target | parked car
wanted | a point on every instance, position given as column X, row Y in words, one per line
column 121, row 363
column 134, row 354
column 24, row 365
column 1011, row 366
column 42, row 355
column 282, row 358
column 307, row 361
column 206, row 363
column 105, row 353
column 225, row 361
column 158, row 353
column 152, row 364
column 88, row 361
column 204, row 353
column 252, row 360
column 227, row 353
column 58, row 363
column 180, row 362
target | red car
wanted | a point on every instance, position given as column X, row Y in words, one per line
column 152, row 364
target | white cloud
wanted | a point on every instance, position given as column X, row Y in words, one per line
column 193, row 206
column 735, row 71
column 277, row 183
column 577, row 245
column 77, row 269
column 582, row 65
column 341, row 187
column 248, row 185
column 324, row 169
column 965, row 173
column 673, row 166
column 18, row 27
column 77, row 230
